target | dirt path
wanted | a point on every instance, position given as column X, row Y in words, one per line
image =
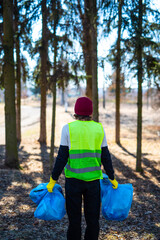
column 17, row 221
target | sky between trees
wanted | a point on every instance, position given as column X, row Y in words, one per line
column 104, row 45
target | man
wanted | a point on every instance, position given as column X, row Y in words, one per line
column 82, row 149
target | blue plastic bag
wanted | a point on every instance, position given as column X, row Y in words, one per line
column 38, row 193
column 52, row 205
column 116, row 203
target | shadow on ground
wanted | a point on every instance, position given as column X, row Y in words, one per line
column 17, row 210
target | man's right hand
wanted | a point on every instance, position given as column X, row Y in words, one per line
column 114, row 183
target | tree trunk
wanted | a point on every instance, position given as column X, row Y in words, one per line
column 104, row 96
column 88, row 70
column 148, row 98
column 87, row 48
column 94, row 59
column 54, row 95
column 140, row 73
column 87, row 44
column 118, row 70
column 148, row 93
column 11, row 158
column 53, row 124
column 18, row 77
column 62, row 97
column 43, row 84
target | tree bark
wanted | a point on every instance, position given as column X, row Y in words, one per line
column 94, row 59
column 54, row 91
column 18, row 77
column 53, row 125
column 118, row 70
column 11, row 158
column 87, row 44
column 43, row 84
column 88, row 70
column 53, row 109
column 140, row 74
column 104, row 96
column 62, row 97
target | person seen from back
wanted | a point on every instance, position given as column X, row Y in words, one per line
column 82, row 150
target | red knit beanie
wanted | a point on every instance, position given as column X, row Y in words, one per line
column 83, row 106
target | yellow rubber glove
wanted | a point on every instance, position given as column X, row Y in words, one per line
column 114, row 183
column 51, row 184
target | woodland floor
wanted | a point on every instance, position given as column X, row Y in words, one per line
column 17, row 221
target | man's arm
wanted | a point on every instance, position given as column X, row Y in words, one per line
column 62, row 158
column 61, row 161
column 107, row 162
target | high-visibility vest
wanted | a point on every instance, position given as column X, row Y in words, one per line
column 84, row 160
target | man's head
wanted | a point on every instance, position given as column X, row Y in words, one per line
column 83, row 107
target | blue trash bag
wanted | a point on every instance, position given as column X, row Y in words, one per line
column 38, row 193
column 116, row 203
column 52, row 205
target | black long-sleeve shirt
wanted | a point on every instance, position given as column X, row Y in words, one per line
column 62, row 159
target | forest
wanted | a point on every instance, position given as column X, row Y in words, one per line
column 67, row 55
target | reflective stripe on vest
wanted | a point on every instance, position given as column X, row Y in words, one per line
column 83, row 155
column 84, row 161
column 82, row 170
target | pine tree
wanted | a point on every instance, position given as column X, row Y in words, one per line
column 11, row 159
column 60, row 64
column 140, row 79
column 43, row 82
column 112, row 10
column 141, row 45
column 55, row 7
column 93, row 14
column 118, row 72
column 24, row 15
column 18, row 73
column 84, row 10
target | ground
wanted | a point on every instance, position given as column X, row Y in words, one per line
column 17, row 220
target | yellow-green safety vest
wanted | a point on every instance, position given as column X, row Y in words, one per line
column 84, row 160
